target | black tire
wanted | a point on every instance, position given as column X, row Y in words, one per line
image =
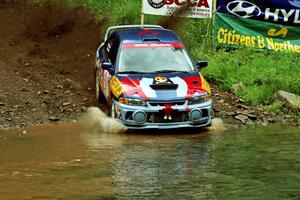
column 101, row 98
column 99, row 94
column 208, row 125
column 111, row 112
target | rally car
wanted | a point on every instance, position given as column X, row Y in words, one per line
column 148, row 80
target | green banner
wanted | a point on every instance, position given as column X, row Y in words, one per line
column 232, row 31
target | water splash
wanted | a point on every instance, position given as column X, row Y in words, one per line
column 96, row 119
column 217, row 125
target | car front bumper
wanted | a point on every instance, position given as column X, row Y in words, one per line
column 154, row 117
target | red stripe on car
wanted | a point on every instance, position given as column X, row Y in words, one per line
column 132, row 87
column 153, row 45
column 194, row 85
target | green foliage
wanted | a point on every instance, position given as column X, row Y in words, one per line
column 263, row 73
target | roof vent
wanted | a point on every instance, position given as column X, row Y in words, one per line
column 151, row 40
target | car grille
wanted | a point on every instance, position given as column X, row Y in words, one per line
column 175, row 117
column 173, row 103
column 159, row 117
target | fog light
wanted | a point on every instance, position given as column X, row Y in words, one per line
column 195, row 115
column 139, row 117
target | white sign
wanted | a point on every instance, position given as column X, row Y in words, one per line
column 197, row 8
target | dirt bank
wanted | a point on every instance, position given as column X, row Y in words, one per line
column 46, row 65
column 46, row 62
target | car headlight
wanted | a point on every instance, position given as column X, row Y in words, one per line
column 132, row 102
column 199, row 100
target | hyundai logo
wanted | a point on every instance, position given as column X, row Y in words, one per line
column 243, row 9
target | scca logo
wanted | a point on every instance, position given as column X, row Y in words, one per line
column 190, row 3
column 243, row 9
column 156, row 3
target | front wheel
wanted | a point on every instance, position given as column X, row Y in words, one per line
column 111, row 110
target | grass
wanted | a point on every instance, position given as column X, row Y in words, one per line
column 263, row 73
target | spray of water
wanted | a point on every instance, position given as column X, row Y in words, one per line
column 97, row 120
column 94, row 118
column 217, row 125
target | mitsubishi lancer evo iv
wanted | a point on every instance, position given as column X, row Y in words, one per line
column 148, row 80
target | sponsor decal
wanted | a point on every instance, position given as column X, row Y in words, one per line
column 160, row 79
column 153, row 45
column 147, row 31
column 116, row 87
column 163, row 83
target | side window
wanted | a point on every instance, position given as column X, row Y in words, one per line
column 111, row 48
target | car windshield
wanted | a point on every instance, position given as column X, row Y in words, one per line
column 154, row 58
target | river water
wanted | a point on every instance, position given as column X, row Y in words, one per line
column 72, row 162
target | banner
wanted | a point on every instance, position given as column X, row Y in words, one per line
column 197, row 8
column 269, row 24
column 231, row 31
column 286, row 12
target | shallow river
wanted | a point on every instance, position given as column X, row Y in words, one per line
column 72, row 162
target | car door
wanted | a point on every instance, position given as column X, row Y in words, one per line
column 108, row 54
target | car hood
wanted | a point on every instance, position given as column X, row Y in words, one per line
column 165, row 86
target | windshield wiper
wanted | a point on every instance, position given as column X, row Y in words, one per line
column 169, row 71
column 132, row 72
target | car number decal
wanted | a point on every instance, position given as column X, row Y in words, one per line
column 116, row 86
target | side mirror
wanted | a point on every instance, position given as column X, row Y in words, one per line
column 201, row 64
column 107, row 66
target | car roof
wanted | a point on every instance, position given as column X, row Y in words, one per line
column 140, row 35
